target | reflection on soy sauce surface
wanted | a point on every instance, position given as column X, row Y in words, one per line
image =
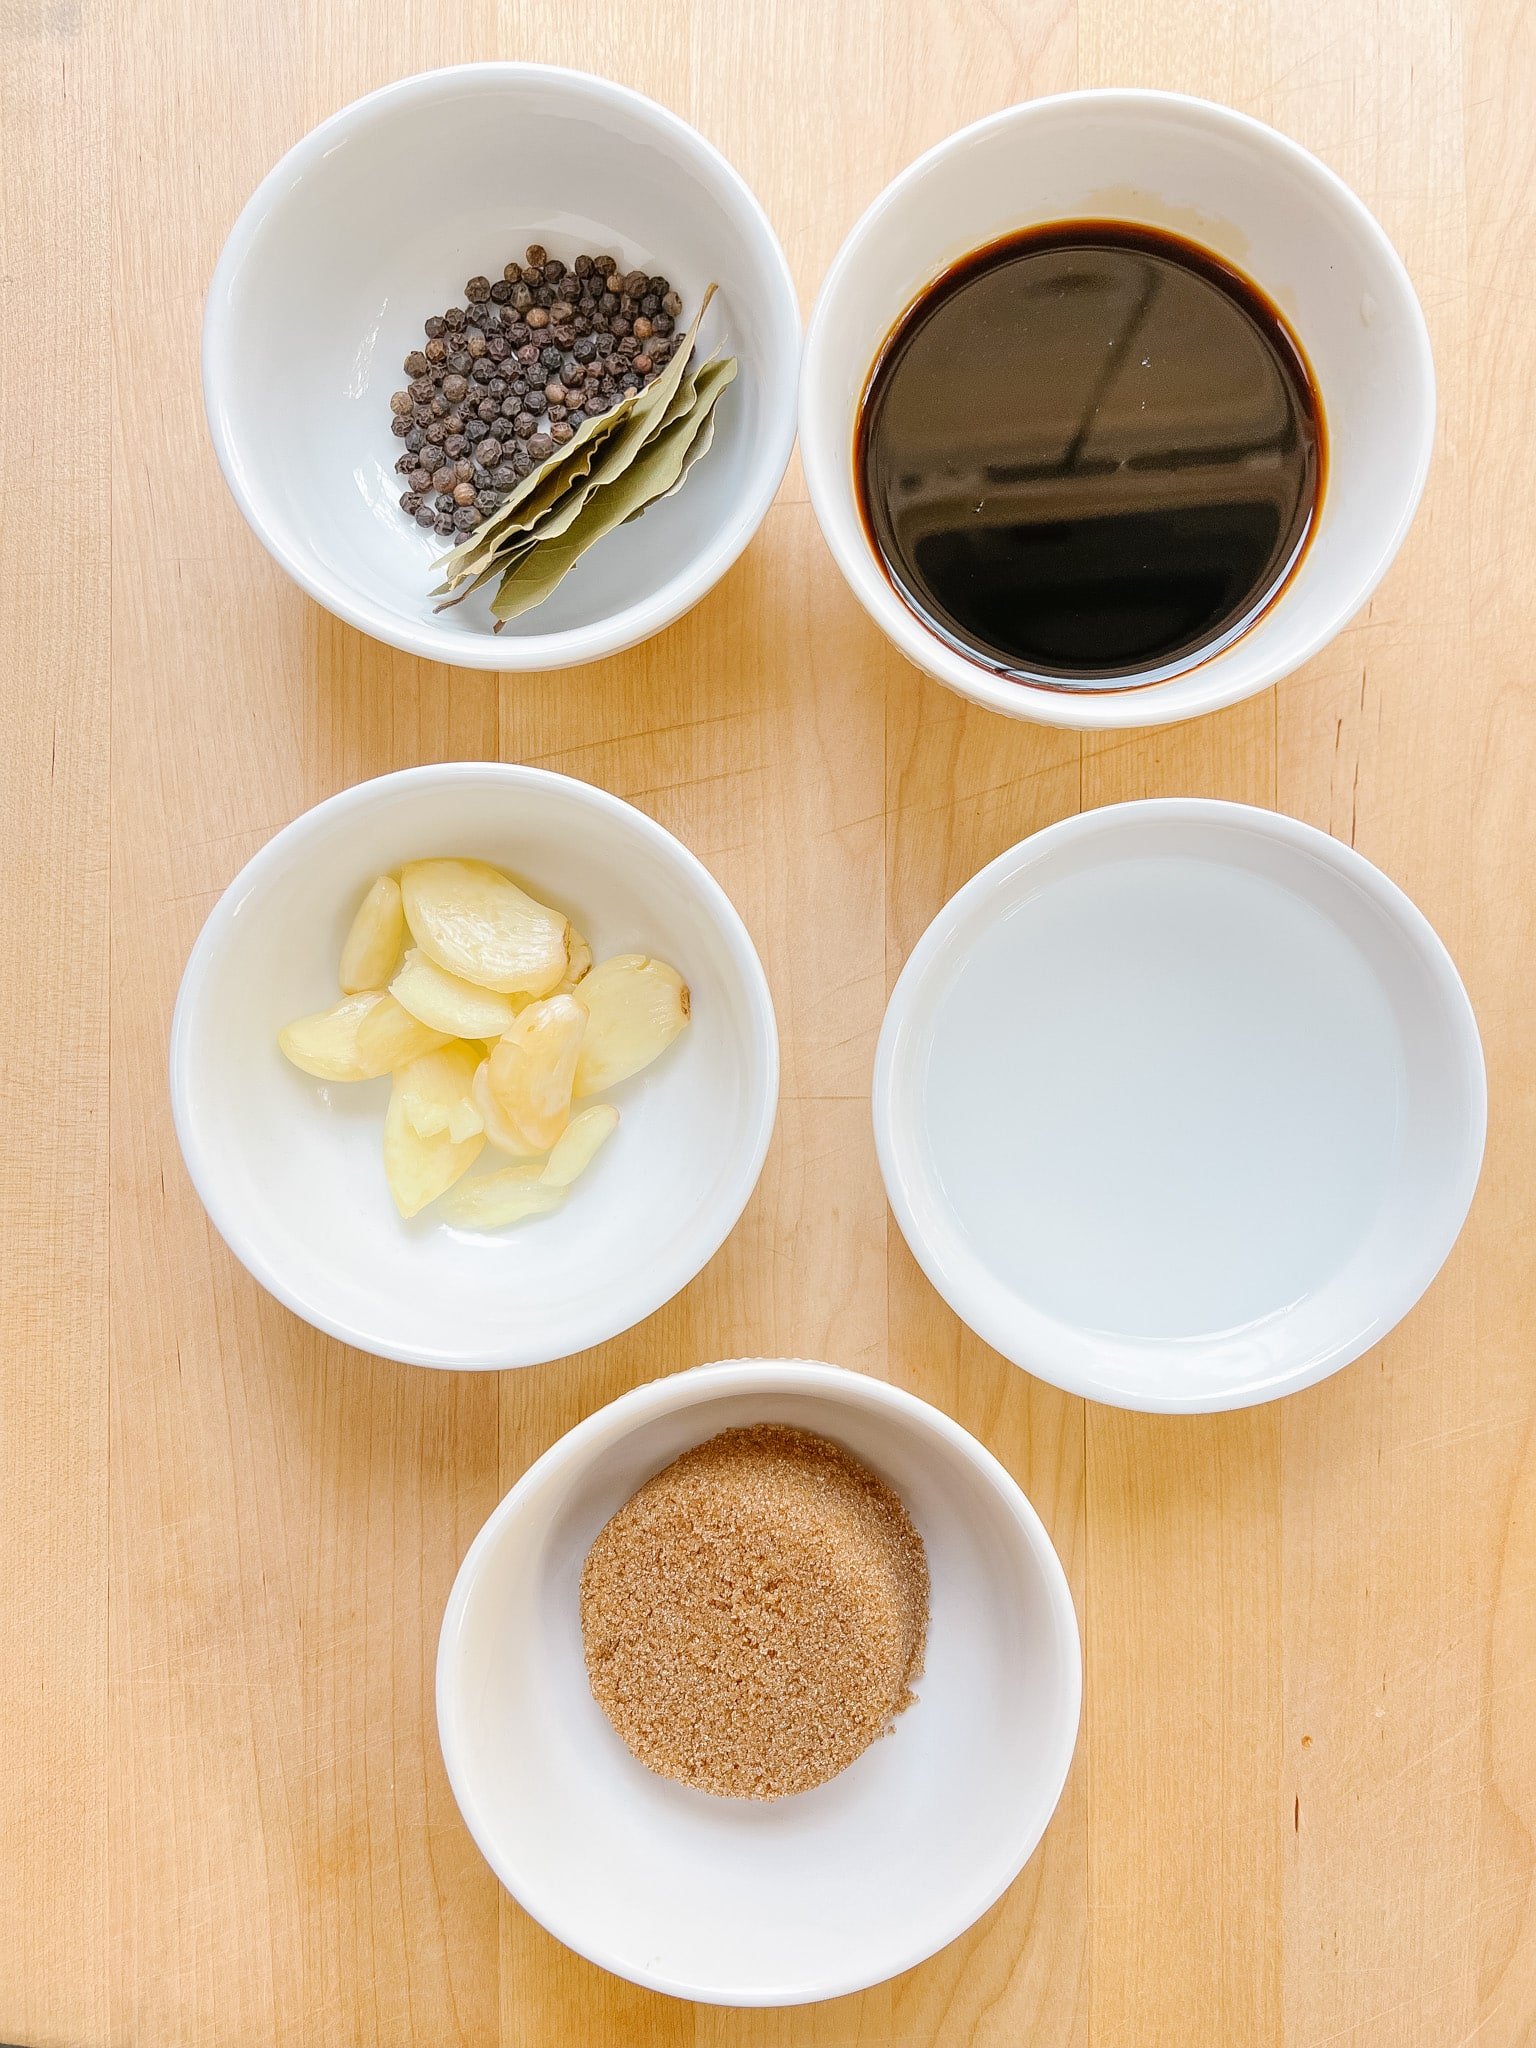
column 1090, row 454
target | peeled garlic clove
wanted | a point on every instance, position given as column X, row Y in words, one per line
column 389, row 1036
column 500, row 1132
column 446, row 1003
column 418, row 1168
column 494, row 1199
column 531, row 1069
column 377, row 938
column 327, row 1045
column 474, row 922
column 579, row 1144
column 578, row 962
column 635, row 1008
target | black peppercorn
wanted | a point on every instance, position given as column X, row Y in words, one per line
column 522, row 461
column 537, row 317
column 455, row 317
column 583, row 266
column 487, row 409
column 489, row 451
column 439, row 406
column 536, row 402
column 536, row 255
column 444, row 523
column 419, row 481
column 461, row 362
column 541, row 447
column 524, row 425
column 435, row 327
column 671, row 304
column 410, row 501
column 436, row 434
column 475, row 432
column 475, row 342
column 504, row 476
column 618, row 325
column 425, row 516
column 522, row 298
column 498, row 348
column 477, row 289
column 608, row 304
column 650, row 303
column 512, row 405
column 662, row 324
column 401, row 424
column 414, row 440
column 501, row 291
column 486, row 501
column 585, row 349
column 528, row 353
column 497, row 388
column 604, row 265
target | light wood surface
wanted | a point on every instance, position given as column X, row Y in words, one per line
column 1303, row 1805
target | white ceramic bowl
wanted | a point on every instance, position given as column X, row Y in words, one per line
column 355, row 238
column 730, row 1901
column 289, row 1168
column 1244, row 191
column 1180, row 1105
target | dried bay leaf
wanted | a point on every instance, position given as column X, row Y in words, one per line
column 650, row 473
column 699, row 447
column 502, row 524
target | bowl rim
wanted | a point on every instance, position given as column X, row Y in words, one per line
column 1110, row 710
column 509, row 654
column 201, row 1155
column 698, row 1386
column 895, row 1139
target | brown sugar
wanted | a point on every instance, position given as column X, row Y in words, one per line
column 754, row 1616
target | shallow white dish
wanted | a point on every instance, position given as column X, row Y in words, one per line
column 1242, row 190
column 290, row 1168
column 353, row 240
column 1180, row 1105
column 730, row 1901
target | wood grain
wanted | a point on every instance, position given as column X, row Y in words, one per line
column 1304, row 1803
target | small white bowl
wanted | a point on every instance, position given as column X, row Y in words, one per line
column 355, row 238
column 1253, row 197
column 1180, row 1105
column 290, row 1169
column 730, row 1901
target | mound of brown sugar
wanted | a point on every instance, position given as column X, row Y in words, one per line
column 755, row 1614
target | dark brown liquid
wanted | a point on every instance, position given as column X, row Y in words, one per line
column 1090, row 454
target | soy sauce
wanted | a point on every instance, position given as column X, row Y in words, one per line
column 1091, row 454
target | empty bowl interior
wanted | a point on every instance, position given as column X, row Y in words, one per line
column 1180, row 1106
column 737, row 1901
column 1238, row 189
column 355, row 239
column 290, row 1167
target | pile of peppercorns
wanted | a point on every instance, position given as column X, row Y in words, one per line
column 508, row 377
